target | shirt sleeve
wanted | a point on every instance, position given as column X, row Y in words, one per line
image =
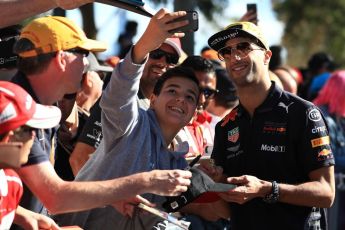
column 218, row 145
column 119, row 105
column 314, row 145
column 42, row 146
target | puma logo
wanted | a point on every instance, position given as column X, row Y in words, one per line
column 286, row 107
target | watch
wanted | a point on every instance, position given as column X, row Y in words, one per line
column 272, row 197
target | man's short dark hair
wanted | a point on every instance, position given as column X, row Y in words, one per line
column 31, row 65
column 198, row 63
column 179, row 71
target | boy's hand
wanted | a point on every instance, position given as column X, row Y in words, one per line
column 156, row 33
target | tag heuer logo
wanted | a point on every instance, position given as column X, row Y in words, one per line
column 233, row 135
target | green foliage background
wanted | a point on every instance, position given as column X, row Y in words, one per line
column 312, row 26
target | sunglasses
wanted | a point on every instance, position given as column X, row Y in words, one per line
column 242, row 50
column 83, row 52
column 169, row 57
column 208, row 92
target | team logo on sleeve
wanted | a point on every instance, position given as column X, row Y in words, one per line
column 314, row 115
column 320, row 141
column 324, row 154
column 231, row 116
column 233, row 135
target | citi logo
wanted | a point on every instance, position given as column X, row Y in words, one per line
column 318, row 129
column 273, row 148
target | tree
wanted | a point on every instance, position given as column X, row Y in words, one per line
column 207, row 7
column 312, row 26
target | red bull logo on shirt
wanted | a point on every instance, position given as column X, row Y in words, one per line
column 324, row 154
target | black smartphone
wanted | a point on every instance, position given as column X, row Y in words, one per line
column 192, row 17
column 252, row 7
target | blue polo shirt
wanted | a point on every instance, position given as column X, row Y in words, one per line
column 284, row 141
column 40, row 150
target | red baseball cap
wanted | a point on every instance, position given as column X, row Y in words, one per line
column 201, row 190
column 17, row 108
column 175, row 43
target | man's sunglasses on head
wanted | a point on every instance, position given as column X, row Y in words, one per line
column 169, row 57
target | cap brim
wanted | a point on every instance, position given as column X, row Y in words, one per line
column 103, row 68
column 218, row 40
column 95, row 66
column 45, row 117
column 212, row 194
column 93, row 45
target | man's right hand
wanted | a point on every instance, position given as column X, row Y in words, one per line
column 169, row 182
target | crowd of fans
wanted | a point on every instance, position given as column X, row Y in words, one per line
column 94, row 139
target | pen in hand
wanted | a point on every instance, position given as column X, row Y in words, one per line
column 193, row 162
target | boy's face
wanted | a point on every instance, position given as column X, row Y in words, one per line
column 176, row 103
column 19, row 144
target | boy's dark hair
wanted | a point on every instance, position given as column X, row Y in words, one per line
column 31, row 65
column 198, row 63
column 179, row 71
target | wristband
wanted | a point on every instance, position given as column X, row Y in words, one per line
column 272, row 197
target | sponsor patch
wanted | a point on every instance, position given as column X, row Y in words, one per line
column 314, row 115
column 234, row 154
column 320, row 141
column 285, row 106
column 324, row 154
column 233, row 135
column 318, row 129
column 273, row 148
column 233, row 148
column 274, row 128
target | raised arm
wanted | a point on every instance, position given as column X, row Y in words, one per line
column 14, row 11
column 119, row 100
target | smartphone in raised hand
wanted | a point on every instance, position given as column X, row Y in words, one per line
column 252, row 9
column 193, row 25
